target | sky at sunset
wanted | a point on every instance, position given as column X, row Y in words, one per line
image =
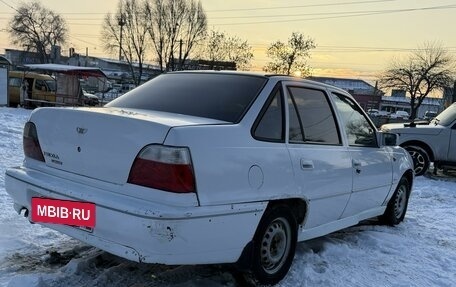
column 354, row 38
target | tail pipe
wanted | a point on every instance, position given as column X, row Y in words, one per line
column 24, row 211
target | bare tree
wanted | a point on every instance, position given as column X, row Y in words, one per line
column 38, row 29
column 175, row 28
column 428, row 69
column 215, row 49
column 221, row 47
column 127, row 30
column 240, row 52
column 288, row 58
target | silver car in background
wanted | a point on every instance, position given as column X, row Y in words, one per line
column 426, row 143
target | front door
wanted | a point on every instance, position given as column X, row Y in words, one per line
column 452, row 146
column 371, row 164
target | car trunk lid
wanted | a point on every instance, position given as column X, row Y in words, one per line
column 102, row 143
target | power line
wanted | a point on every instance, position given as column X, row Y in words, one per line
column 340, row 14
column 241, row 9
column 87, row 35
column 300, row 6
column 289, row 15
column 63, row 13
column 75, row 38
column 348, row 15
column 350, row 49
column 10, row 6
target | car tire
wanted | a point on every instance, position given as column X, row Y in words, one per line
column 274, row 245
column 397, row 206
column 420, row 158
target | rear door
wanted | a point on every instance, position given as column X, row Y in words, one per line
column 321, row 164
column 372, row 165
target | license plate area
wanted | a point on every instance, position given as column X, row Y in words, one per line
column 64, row 212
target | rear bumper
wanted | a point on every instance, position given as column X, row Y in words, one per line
column 142, row 230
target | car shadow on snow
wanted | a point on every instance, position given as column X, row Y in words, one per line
column 446, row 174
column 46, row 260
column 88, row 266
column 75, row 262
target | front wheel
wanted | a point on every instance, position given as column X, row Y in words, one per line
column 420, row 158
column 397, row 206
column 274, row 245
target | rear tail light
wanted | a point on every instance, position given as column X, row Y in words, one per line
column 164, row 167
column 31, row 144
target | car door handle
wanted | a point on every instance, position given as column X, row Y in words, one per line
column 357, row 166
column 307, row 164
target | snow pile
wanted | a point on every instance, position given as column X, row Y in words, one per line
column 419, row 252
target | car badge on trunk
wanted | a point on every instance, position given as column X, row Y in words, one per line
column 81, row 130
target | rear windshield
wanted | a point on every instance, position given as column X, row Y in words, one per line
column 217, row 96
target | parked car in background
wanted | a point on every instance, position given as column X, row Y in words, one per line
column 377, row 113
column 429, row 115
column 211, row 167
column 429, row 142
column 400, row 115
column 40, row 87
column 90, row 99
column 373, row 112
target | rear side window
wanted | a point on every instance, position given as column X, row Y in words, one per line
column 270, row 125
column 311, row 117
column 219, row 96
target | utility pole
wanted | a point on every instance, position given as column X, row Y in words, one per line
column 121, row 22
column 173, row 39
column 87, row 56
column 180, row 54
column 454, row 93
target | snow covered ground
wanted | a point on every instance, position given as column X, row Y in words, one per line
column 419, row 252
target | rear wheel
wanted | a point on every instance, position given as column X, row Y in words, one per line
column 397, row 206
column 420, row 158
column 274, row 245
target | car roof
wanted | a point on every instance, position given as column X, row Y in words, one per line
column 27, row 74
column 277, row 77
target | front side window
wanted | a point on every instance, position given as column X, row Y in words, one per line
column 51, row 85
column 295, row 132
column 358, row 129
column 40, row 85
column 311, row 117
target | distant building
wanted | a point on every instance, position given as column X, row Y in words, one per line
column 19, row 58
column 393, row 104
column 117, row 71
column 4, row 68
column 209, row 65
column 398, row 93
column 368, row 96
column 449, row 95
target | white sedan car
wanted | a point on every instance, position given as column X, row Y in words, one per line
column 211, row 167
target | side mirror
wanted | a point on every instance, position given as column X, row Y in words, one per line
column 388, row 139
